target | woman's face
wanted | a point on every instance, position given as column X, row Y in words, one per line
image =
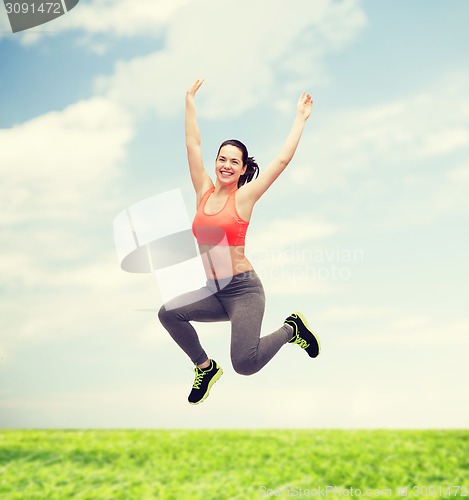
column 229, row 164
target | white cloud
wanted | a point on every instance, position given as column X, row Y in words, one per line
column 51, row 165
column 444, row 141
column 252, row 35
column 347, row 313
column 75, row 299
column 459, row 174
column 300, row 229
column 414, row 331
column 290, row 265
column 124, row 18
column 239, row 51
column 284, row 282
column 401, row 135
column 118, row 18
column 58, row 265
column 452, row 195
column 4, row 23
column 382, row 326
column 59, row 178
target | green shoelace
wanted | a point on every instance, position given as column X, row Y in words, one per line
column 301, row 342
column 199, row 375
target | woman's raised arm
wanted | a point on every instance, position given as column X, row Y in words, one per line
column 199, row 176
column 256, row 188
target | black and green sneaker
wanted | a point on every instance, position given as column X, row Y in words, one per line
column 303, row 335
column 204, row 379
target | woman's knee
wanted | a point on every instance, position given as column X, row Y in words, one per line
column 168, row 314
column 244, row 366
column 165, row 315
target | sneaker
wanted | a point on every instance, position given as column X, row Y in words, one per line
column 303, row 335
column 204, row 379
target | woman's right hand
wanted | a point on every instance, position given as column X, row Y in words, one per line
column 192, row 90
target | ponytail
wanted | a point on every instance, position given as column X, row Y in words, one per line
column 252, row 170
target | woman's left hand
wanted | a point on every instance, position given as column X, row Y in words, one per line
column 305, row 105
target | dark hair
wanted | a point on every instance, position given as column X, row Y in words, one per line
column 252, row 167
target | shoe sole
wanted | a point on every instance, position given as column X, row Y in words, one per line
column 309, row 329
column 210, row 384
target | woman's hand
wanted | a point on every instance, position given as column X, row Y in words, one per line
column 192, row 90
column 305, row 105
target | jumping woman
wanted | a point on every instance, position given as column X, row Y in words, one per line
column 233, row 291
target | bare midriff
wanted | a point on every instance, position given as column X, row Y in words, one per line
column 222, row 261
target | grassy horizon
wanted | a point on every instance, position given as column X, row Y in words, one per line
column 231, row 464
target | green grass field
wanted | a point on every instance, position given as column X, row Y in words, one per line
column 231, row 464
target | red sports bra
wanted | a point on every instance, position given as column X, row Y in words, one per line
column 225, row 227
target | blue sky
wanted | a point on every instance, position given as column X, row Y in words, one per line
column 365, row 232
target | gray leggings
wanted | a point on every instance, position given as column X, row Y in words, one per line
column 242, row 302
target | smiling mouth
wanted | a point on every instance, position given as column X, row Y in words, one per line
column 226, row 173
